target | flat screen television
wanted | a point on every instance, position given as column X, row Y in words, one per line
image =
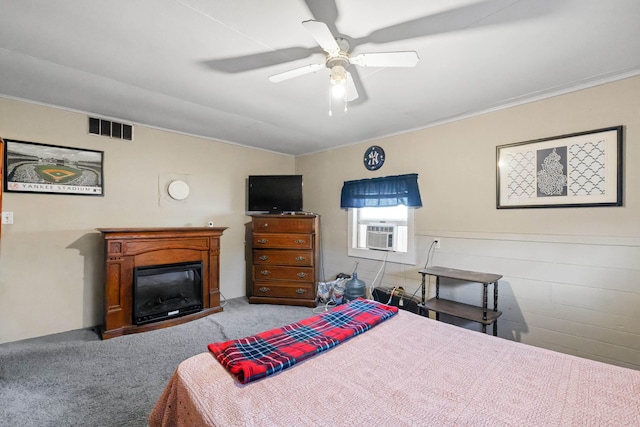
column 274, row 193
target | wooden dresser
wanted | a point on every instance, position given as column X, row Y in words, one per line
column 284, row 259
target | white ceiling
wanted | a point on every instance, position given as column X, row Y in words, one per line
column 201, row 66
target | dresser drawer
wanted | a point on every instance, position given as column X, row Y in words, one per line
column 289, row 241
column 278, row 272
column 286, row 224
column 292, row 257
column 266, row 289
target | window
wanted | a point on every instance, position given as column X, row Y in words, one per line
column 378, row 233
column 381, row 217
column 381, row 228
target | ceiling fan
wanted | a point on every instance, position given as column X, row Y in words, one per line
column 338, row 60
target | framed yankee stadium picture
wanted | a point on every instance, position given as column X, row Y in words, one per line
column 42, row 168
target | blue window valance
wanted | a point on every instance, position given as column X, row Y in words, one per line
column 381, row 192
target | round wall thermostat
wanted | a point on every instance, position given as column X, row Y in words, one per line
column 178, row 190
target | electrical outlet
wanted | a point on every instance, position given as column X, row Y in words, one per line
column 436, row 243
column 7, row 217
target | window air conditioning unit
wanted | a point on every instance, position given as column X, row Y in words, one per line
column 381, row 236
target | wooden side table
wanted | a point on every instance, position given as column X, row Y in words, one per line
column 482, row 315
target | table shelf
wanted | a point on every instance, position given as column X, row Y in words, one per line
column 483, row 315
column 461, row 310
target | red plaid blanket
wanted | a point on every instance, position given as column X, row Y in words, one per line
column 269, row 352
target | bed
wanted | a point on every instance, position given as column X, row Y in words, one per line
column 408, row 370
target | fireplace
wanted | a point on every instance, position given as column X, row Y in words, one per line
column 159, row 277
column 163, row 292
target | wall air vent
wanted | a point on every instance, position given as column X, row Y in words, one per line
column 110, row 128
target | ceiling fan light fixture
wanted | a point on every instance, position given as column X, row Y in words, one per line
column 338, row 90
column 338, row 81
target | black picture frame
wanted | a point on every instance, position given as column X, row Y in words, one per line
column 582, row 169
column 32, row 167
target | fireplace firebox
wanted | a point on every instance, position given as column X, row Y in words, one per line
column 163, row 292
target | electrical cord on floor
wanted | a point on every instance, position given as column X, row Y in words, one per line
column 223, row 302
column 325, row 307
column 391, row 295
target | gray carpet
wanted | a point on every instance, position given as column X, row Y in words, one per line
column 76, row 379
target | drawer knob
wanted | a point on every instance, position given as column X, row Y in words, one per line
column 300, row 258
column 264, row 289
column 300, row 291
column 262, row 241
column 265, row 272
column 264, row 258
column 266, row 224
column 302, row 275
column 300, row 241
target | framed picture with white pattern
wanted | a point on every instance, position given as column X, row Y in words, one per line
column 575, row 170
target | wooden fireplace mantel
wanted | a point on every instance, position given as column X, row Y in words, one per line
column 127, row 248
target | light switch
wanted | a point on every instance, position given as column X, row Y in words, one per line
column 7, row 217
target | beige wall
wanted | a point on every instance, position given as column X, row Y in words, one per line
column 51, row 257
column 571, row 280
column 570, row 275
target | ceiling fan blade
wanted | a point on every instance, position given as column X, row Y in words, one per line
column 351, row 93
column 276, row 78
column 386, row 59
column 325, row 11
column 321, row 33
column 239, row 64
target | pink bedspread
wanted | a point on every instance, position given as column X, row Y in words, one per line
column 409, row 370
